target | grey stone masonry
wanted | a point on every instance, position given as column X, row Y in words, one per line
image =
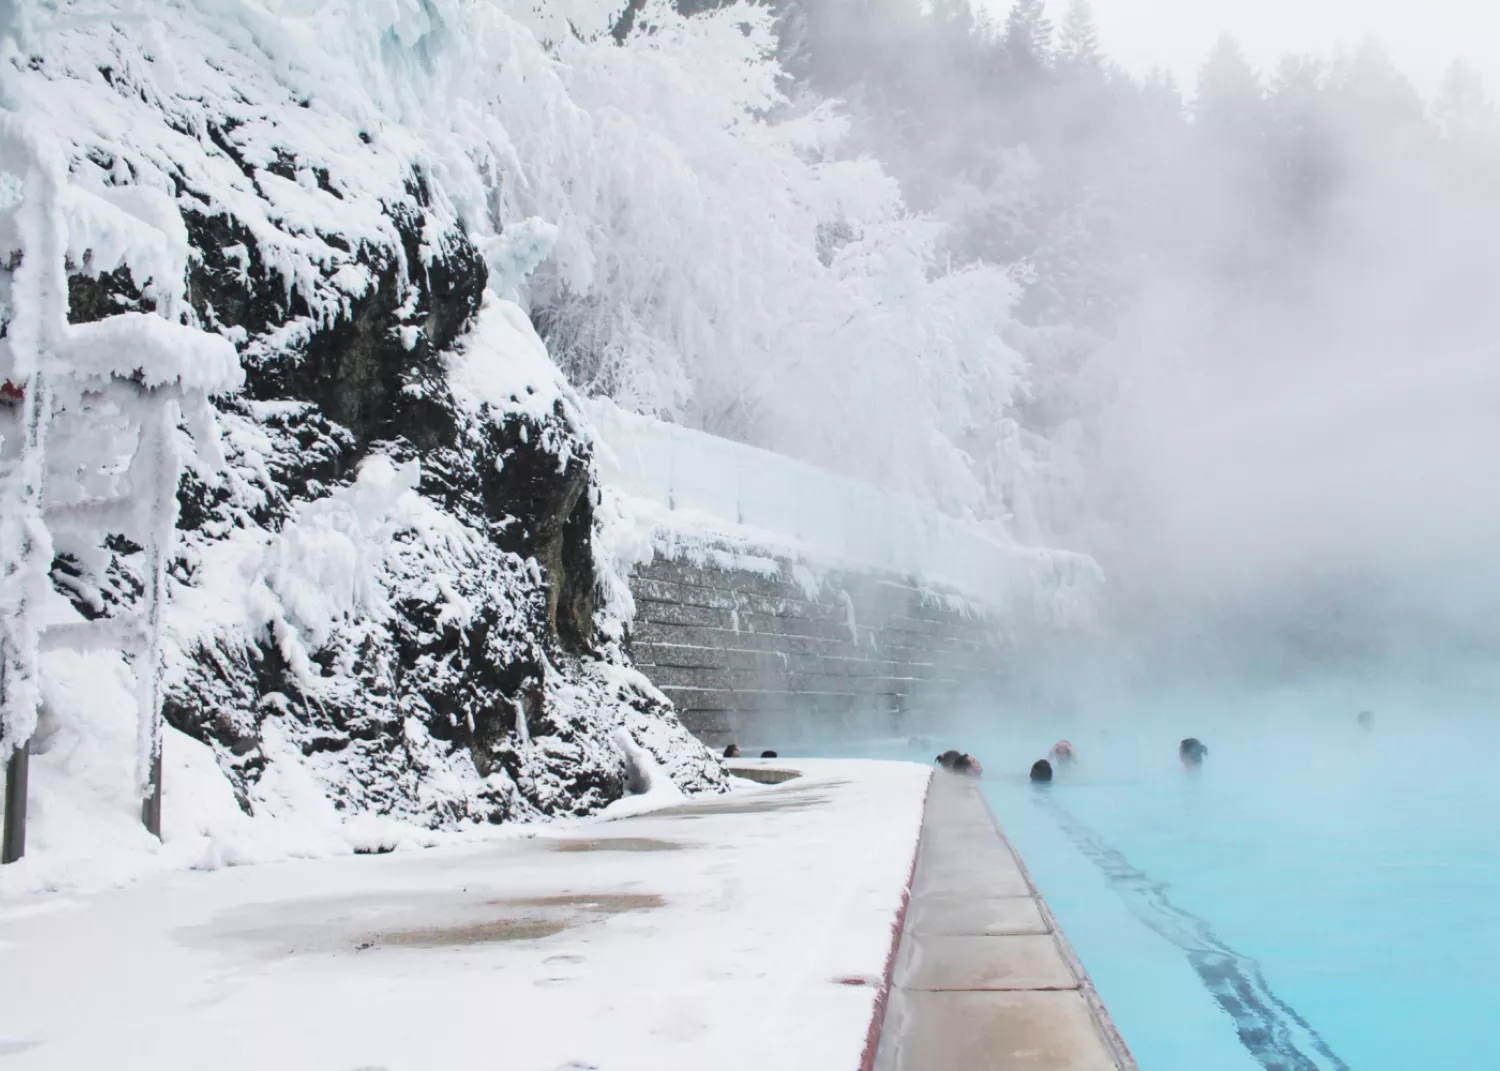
column 762, row 660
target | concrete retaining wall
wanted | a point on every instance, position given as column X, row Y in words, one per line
column 768, row 658
column 758, row 650
column 827, row 517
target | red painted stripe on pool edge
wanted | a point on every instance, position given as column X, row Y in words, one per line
column 883, row 994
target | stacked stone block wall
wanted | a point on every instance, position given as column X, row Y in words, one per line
column 764, row 659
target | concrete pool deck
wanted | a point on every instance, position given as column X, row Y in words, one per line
column 758, row 930
column 746, row 932
column 983, row 978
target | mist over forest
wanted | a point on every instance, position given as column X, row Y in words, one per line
column 1233, row 338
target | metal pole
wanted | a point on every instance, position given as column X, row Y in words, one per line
column 16, row 771
column 151, row 805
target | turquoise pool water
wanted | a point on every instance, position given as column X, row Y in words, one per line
column 1318, row 897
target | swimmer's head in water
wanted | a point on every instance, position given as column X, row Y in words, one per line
column 947, row 759
column 768, row 755
column 967, row 765
column 1062, row 753
column 732, row 751
column 1366, row 719
column 1192, row 751
column 1041, row 770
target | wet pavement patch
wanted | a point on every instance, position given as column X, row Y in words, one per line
column 801, row 801
column 616, row 844
column 417, row 920
column 511, row 929
column 522, row 919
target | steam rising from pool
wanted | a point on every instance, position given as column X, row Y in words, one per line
column 1297, row 473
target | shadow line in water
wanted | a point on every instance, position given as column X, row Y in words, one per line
column 1270, row 1029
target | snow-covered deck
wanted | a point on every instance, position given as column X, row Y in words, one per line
column 748, row 931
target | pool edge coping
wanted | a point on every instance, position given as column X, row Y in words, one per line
column 890, row 1053
column 1103, row 1022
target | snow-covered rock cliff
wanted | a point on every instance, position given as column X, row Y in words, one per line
column 387, row 598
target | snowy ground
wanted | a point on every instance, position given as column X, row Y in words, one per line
column 746, row 932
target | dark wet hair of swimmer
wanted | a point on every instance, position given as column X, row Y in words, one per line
column 960, row 762
column 1192, row 751
column 732, row 751
column 1041, row 771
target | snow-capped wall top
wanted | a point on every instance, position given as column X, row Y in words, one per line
column 686, row 485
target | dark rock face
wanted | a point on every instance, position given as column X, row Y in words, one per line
column 480, row 692
column 356, row 368
column 557, row 508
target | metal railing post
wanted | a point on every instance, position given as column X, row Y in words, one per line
column 151, row 803
column 16, row 770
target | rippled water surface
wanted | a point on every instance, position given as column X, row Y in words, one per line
column 1319, row 896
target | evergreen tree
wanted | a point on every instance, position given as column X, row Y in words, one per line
column 1296, row 88
column 1161, row 93
column 1079, row 42
column 1463, row 112
column 1375, row 101
column 1028, row 36
column 1230, row 99
column 1301, row 145
column 955, row 18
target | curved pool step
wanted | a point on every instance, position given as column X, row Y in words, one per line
column 764, row 772
column 984, row 979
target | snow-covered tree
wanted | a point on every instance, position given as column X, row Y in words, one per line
column 691, row 275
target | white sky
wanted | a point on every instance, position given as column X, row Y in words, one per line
column 1423, row 36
